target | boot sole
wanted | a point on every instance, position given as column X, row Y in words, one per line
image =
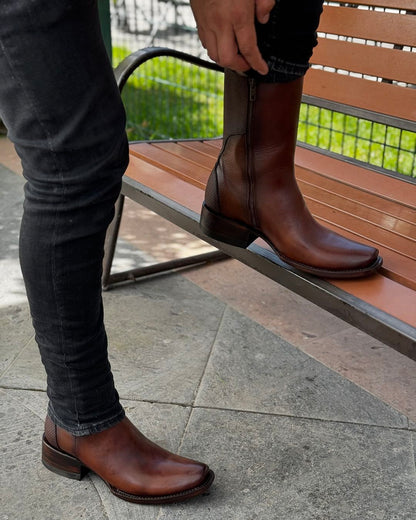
column 239, row 234
column 68, row 466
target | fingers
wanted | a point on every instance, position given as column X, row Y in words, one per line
column 247, row 45
column 226, row 29
column 263, row 8
column 228, row 52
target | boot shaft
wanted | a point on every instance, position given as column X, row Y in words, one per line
column 260, row 128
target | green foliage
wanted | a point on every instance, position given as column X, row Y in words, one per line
column 169, row 100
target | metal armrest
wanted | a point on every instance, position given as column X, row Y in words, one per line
column 123, row 71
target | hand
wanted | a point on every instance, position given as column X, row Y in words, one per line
column 226, row 29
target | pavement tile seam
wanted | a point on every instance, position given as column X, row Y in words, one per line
column 300, row 418
column 186, row 429
column 247, row 411
column 94, row 480
column 194, row 408
column 214, row 341
column 25, row 405
column 16, row 357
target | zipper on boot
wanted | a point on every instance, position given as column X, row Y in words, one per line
column 250, row 170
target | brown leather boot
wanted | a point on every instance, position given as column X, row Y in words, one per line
column 252, row 191
column 133, row 467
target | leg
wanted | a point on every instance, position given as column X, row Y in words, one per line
column 252, row 191
column 59, row 100
column 60, row 104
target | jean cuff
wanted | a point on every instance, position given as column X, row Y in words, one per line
column 80, row 430
column 281, row 71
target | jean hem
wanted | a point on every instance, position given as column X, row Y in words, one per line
column 81, row 430
column 282, row 71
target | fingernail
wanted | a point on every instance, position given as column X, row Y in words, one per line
column 265, row 18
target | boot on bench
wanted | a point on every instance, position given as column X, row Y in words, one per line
column 252, row 191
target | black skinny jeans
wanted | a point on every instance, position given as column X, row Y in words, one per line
column 60, row 103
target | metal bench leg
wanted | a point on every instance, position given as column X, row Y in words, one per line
column 109, row 279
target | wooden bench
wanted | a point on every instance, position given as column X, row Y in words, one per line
column 364, row 68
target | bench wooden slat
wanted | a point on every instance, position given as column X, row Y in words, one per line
column 386, row 98
column 387, row 27
column 385, row 294
column 348, row 197
column 389, row 208
column 337, row 202
column 390, row 188
column 209, row 148
column 393, row 4
column 187, row 153
column 189, row 171
column 391, row 64
column 363, row 229
column 166, row 183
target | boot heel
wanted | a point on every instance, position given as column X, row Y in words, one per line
column 224, row 229
column 62, row 463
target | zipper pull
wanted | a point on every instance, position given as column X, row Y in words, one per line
column 252, row 86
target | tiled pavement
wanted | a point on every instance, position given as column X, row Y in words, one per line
column 301, row 416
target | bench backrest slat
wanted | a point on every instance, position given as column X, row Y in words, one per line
column 389, row 64
column 387, row 27
column 386, row 99
column 389, row 4
column 366, row 58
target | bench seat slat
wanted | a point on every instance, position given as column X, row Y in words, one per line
column 385, row 294
column 193, row 173
column 210, row 148
column 363, row 227
column 166, row 183
column 376, row 290
column 324, row 202
column 390, row 188
column 389, row 208
column 358, row 208
column 187, row 154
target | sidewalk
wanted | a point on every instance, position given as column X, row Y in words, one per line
column 301, row 416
